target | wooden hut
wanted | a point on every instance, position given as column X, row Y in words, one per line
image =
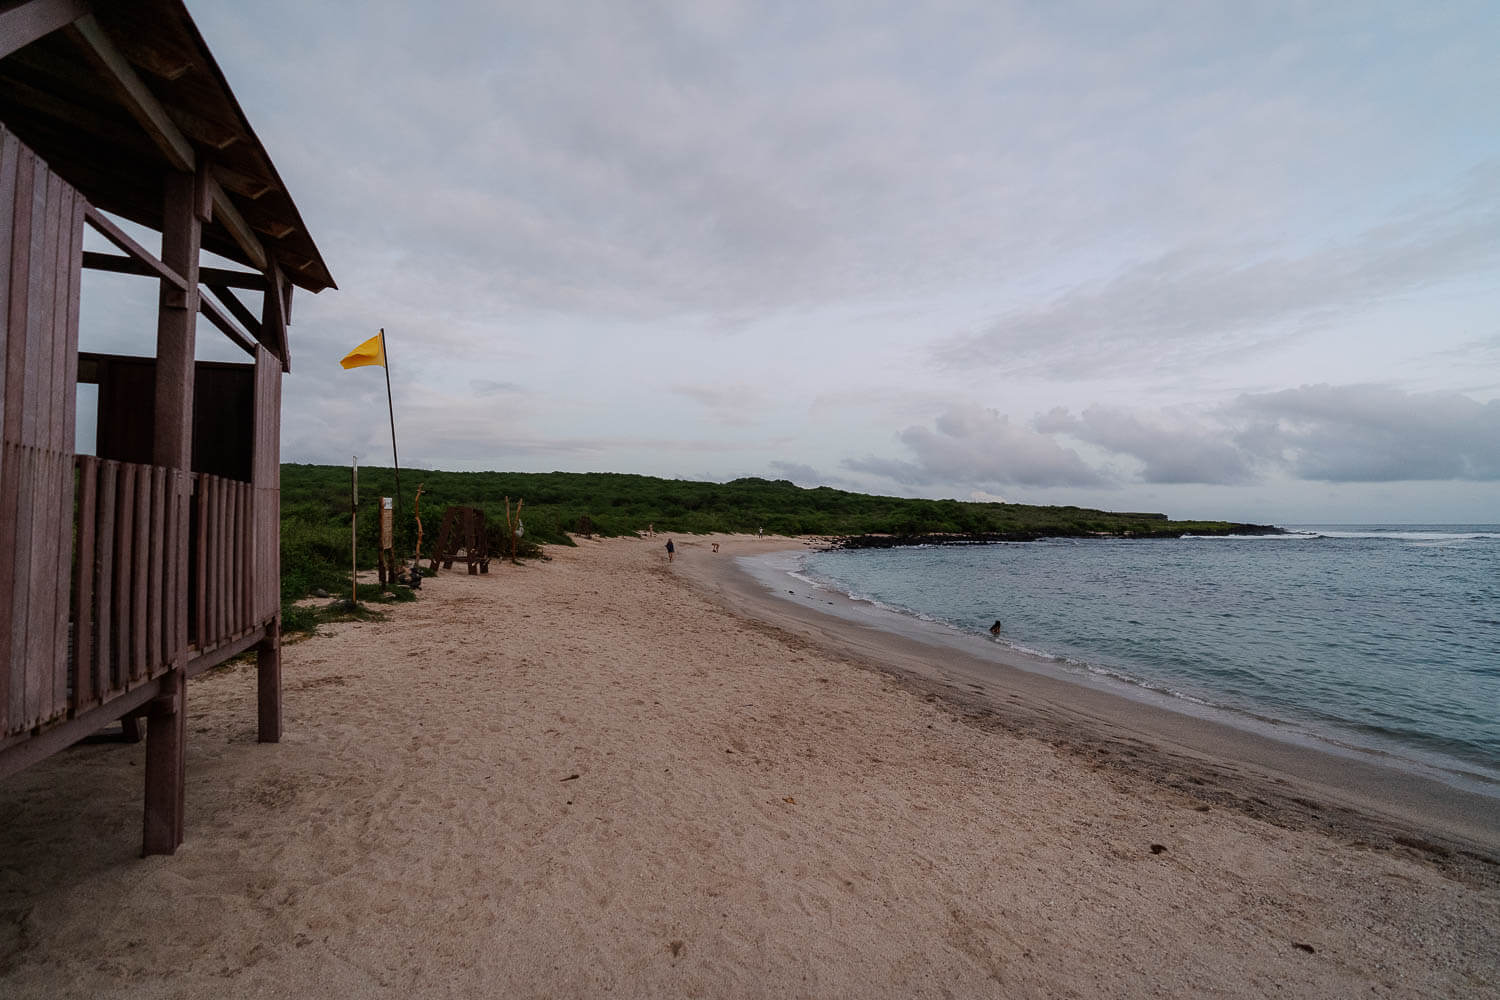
column 123, row 574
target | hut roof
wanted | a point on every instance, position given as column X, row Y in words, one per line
column 114, row 98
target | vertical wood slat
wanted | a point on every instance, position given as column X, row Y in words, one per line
column 104, row 574
column 124, row 575
column 216, row 558
column 38, row 419
column 184, row 522
column 209, row 631
column 141, row 546
column 15, row 486
column 226, row 558
column 155, row 570
column 19, row 477
column 232, row 585
column 10, row 154
column 38, row 330
column 85, row 680
column 174, row 597
column 200, row 595
column 242, row 570
column 69, row 270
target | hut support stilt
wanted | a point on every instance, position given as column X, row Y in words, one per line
column 166, row 755
column 268, row 676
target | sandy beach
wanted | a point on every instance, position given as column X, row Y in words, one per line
column 601, row 773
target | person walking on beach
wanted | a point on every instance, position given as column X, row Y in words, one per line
column 671, row 550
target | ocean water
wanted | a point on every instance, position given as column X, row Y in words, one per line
column 1378, row 637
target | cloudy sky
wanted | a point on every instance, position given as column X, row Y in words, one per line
column 1219, row 260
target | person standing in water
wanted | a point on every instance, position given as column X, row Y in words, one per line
column 671, row 550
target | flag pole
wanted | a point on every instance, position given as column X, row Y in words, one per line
column 392, row 407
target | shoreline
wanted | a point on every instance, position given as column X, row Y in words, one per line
column 1288, row 782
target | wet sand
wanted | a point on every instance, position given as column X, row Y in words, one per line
column 1215, row 756
column 605, row 773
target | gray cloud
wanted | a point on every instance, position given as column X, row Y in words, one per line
column 1198, row 303
column 731, row 405
column 490, row 387
column 1371, row 434
column 1320, row 433
column 1172, row 448
column 972, row 445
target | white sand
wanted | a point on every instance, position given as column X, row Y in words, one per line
column 752, row 816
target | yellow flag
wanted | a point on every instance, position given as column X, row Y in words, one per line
column 371, row 352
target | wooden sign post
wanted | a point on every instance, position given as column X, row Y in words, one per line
column 387, row 555
column 353, row 530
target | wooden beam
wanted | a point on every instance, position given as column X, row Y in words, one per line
column 242, row 184
column 273, row 313
column 25, row 23
column 24, row 749
column 236, row 308
column 219, row 318
column 226, row 215
column 135, row 95
column 138, row 254
column 211, row 276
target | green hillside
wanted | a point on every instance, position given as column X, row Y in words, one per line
column 315, row 513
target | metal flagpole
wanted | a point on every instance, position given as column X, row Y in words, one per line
column 392, row 407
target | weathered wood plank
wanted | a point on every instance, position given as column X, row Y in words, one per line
column 184, row 527
column 10, row 154
column 237, row 572
column 85, row 680
column 52, row 524
column 21, row 374
column 24, row 673
column 140, row 611
column 43, row 309
column 200, row 583
column 70, row 246
column 156, row 570
column 12, row 625
column 221, row 547
column 24, row 23
column 104, row 577
column 34, row 317
column 35, row 514
column 10, row 151
column 174, row 594
column 124, row 576
column 213, row 509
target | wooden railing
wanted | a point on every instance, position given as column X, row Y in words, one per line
column 129, row 575
column 162, row 572
column 223, row 585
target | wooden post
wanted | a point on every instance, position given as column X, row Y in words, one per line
column 268, row 683
column 176, row 327
column 353, row 530
column 166, row 745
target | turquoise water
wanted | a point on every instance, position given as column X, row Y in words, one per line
column 1384, row 637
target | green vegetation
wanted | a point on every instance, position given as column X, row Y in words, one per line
column 315, row 514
